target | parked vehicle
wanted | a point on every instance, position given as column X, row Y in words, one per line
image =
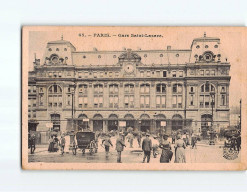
column 85, row 140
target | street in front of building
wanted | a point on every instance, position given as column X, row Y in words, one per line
column 204, row 153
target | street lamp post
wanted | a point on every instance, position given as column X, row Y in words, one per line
column 72, row 89
column 212, row 133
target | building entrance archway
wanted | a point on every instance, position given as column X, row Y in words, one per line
column 113, row 122
column 97, row 122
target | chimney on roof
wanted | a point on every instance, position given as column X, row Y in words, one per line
column 95, row 49
column 169, row 47
column 124, row 48
column 204, row 34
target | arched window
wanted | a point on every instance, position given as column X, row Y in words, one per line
column 55, row 96
column 160, row 95
column 177, row 90
column 113, row 96
column 205, row 97
column 98, row 96
column 129, row 96
column 177, row 122
column 145, row 96
column 83, row 99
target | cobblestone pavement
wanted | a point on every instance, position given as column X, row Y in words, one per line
column 203, row 154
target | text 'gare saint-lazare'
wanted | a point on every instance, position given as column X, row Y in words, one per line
column 147, row 89
column 97, row 35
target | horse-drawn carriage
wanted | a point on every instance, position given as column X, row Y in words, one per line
column 85, row 140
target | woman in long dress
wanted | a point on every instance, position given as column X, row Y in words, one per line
column 51, row 144
column 180, row 150
column 167, row 154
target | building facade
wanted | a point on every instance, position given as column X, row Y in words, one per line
column 143, row 89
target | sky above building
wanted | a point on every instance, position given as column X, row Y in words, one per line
column 176, row 37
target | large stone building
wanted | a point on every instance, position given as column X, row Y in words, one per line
column 144, row 89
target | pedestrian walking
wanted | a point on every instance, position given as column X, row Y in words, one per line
column 55, row 144
column 139, row 138
column 119, row 147
column 193, row 140
column 180, row 150
column 173, row 137
column 155, row 146
column 184, row 138
column 32, row 144
column 130, row 138
column 107, row 143
column 166, row 154
column 51, row 145
column 62, row 144
column 147, row 147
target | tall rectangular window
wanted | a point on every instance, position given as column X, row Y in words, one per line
column 145, row 96
column 164, row 73
column 191, row 100
column 181, row 73
column 223, row 99
column 174, row 73
column 113, row 97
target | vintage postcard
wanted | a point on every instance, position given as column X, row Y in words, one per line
column 134, row 98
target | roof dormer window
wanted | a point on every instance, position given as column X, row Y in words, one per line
column 57, row 49
column 206, row 46
column 198, row 46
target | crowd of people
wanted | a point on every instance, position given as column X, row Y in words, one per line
column 150, row 144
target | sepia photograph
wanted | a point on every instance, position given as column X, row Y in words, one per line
column 133, row 98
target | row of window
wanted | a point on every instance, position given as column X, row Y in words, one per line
column 114, row 56
column 130, row 88
column 31, row 114
column 57, row 49
column 206, row 46
column 158, row 73
column 55, row 95
column 32, row 89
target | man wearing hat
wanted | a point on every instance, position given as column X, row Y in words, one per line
column 32, row 143
column 167, row 154
column 120, row 146
column 62, row 144
column 147, row 147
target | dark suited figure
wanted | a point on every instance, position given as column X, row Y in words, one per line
column 119, row 147
column 32, row 143
column 238, row 140
column 173, row 137
column 62, row 144
column 147, row 147
column 139, row 138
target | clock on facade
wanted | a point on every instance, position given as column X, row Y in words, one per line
column 129, row 68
